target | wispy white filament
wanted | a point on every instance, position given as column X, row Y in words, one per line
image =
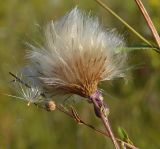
column 31, row 95
column 77, row 54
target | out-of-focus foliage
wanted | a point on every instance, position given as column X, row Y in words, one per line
column 134, row 105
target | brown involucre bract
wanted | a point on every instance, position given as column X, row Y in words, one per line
column 77, row 54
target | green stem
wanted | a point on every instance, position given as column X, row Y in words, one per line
column 142, row 48
column 124, row 22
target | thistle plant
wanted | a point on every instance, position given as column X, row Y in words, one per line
column 78, row 54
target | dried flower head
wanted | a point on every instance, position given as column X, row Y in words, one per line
column 77, row 55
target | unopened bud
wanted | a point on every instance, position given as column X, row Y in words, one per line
column 50, row 105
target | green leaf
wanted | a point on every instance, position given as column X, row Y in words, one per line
column 123, row 135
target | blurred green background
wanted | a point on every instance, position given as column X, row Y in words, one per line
column 134, row 105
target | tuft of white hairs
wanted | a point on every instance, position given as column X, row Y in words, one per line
column 32, row 95
column 77, row 54
column 28, row 93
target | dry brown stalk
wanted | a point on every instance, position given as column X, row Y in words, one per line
column 73, row 114
column 149, row 21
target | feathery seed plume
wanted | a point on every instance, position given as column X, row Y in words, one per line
column 78, row 53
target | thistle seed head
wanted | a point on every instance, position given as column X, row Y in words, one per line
column 78, row 53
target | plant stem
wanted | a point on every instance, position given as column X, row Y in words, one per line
column 149, row 21
column 105, row 121
column 107, row 126
column 80, row 121
column 129, row 49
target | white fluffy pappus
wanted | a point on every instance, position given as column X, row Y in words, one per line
column 32, row 95
column 77, row 54
column 27, row 93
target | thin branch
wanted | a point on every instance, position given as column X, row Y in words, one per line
column 73, row 114
column 19, row 80
column 149, row 21
column 80, row 121
column 106, row 124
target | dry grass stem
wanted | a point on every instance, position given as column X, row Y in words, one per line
column 149, row 21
